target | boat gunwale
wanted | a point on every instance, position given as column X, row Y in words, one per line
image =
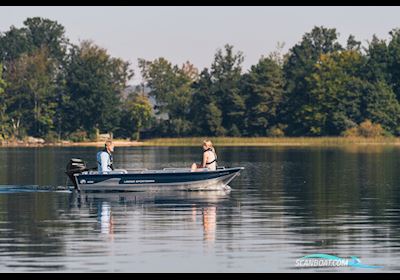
column 164, row 172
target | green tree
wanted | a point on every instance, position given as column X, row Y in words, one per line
column 13, row 43
column 37, row 33
column 334, row 94
column 298, row 65
column 138, row 114
column 340, row 98
column 264, row 90
column 95, row 82
column 171, row 87
column 378, row 61
column 379, row 104
column 30, row 96
column 205, row 114
column 3, row 116
column 353, row 44
column 33, row 59
column 394, row 61
column 226, row 71
column 49, row 34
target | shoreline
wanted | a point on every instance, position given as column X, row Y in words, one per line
column 223, row 141
column 119, row 143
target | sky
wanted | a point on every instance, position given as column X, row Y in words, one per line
column 190, row 33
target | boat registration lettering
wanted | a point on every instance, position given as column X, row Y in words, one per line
column 83, row 181
column 138, row 181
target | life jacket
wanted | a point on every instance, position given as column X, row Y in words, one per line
column 215, row 156
column 111, row 160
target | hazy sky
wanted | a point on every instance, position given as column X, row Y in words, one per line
column 195, row 33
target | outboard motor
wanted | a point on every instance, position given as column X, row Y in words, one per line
column 75, row 166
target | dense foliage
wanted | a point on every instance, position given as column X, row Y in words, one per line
column 52, row 88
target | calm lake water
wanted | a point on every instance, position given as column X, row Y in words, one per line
column 287, row 203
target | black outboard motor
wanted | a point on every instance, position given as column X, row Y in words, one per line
column 75, row 166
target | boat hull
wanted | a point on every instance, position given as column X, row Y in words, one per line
column 158, row 180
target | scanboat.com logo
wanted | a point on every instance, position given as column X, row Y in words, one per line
column 324, row 260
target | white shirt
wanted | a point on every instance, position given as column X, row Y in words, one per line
column 103, row 162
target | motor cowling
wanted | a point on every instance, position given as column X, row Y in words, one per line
column 75, row 166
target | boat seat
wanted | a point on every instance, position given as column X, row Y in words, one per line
column 177, row 169
column 137, row 169
column 118, row 171
column 115, row 171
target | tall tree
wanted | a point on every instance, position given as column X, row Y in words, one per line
column 394, row 64
column 264, row 87
column 226, row 71
column 47, row 33
column 95, row 82
column 353, row 44
column 379, row 104
column 335, row 94
column 204, row 112
column 298, row 65
column 37, row 33
column 340, row 97
column 13, row 43
column 34, row 52
column 137, row 114
column 378, row 61
column 30, row 96
column 171, row 87
column 3, row 107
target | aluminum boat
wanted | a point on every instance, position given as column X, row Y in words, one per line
column 143, row 179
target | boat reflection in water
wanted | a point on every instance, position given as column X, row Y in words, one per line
column 105, row 219
column 201, row 206
column 209, row 223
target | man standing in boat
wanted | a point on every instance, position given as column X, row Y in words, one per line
column 105, row 158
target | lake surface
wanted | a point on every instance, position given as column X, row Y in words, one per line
column 286, row 204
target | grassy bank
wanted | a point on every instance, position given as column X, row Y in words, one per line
column 228, row 141
column 117, row 142
column 268, row 141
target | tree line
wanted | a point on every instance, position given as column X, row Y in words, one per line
column 52, row 88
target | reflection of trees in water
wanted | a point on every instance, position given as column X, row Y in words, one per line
column 324, row 195
column 340, row 192
column 367, row 149
column 32, row 225
column 337, row 182
column 40, row 166
column 321, row 197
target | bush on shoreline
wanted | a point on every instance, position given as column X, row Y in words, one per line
column 366, row 129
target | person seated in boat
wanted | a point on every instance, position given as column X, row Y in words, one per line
column 209, row 157
column 105, row 158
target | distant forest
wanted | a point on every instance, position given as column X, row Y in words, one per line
column 53, row 89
